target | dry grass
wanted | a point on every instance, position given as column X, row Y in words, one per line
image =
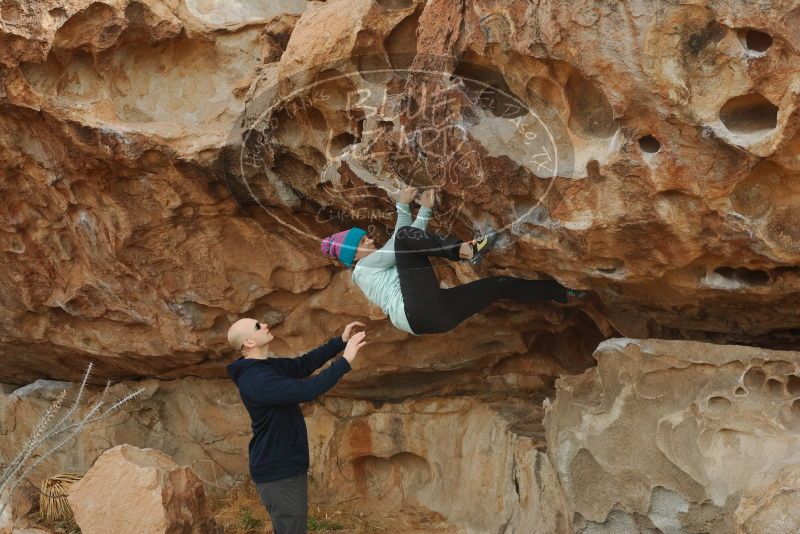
column 240, row 511
column 51, row 433
column 53, row 505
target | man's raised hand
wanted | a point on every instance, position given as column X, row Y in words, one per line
column 353, row 346
column 348, row 329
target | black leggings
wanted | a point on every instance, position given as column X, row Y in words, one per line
column 432, row 310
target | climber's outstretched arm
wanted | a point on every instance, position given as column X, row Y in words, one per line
column 403, row 205
column 426, row 201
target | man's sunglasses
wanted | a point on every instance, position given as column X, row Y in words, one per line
column 258, row 327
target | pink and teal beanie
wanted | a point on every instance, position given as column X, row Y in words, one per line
column 343, row 245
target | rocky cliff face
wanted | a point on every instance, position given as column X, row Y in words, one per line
column 647, row 154
column 679, row 437
column 169, row 166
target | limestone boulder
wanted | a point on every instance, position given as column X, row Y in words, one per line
column 679, row 436
column 139, row 490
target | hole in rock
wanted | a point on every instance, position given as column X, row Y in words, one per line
column 359, row 129
column 332, row 90
column 608, row 265
column 775, row 387
column 793, row 385
column 649, row 144
column 137, row 13
column 705, row 39
column 58, row 13
column 740, row 391
column 316, row 119
column 313, row 157
column 83, row 25
column 572, row 351
column 11, row 11
column 754, row 378
column 151, row 159
column 786, row 270
column 744, row 276
column 338, row 143
column 280, row 30
column 753, row 195
column 796, row 408
column 501, row 104
column 494, row 93
column 392, row 5
column 374, row 68
column 287, row 130
column 784, row 227
column 593, row 169
column 755, row 40
column 413, row 105
column 719, row 403
column 371, row 60
column 545, row 97
column 300, row 176
column 778, row 367
column 749, row 113
column 590, row 112
column 401, row 43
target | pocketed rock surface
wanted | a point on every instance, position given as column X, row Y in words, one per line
column 679, row 436
column 167, row 167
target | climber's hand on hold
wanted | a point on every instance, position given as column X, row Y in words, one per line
column 427, row 199
column 348, row 329
column 406, row 195
column 353, row 346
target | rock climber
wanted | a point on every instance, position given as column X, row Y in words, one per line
column 271, row 388
column 399, row 278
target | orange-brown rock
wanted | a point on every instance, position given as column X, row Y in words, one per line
column 672, row 142
column 139, row 490
column 167, row 167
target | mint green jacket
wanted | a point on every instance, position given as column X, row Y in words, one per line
column 376, row 274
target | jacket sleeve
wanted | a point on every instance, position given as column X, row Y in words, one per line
column 403, row 217
column 266, row 388
column 304, row 365
column 423, row 216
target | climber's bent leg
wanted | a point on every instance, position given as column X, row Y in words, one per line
column 421, row 293
column 468, row 299
column 415, row 241
column 430, row 309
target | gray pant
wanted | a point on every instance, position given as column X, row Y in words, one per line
column 287, row 503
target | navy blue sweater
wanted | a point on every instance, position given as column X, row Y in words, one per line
column 271, row 390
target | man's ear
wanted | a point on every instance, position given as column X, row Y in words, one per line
column 248, row 344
